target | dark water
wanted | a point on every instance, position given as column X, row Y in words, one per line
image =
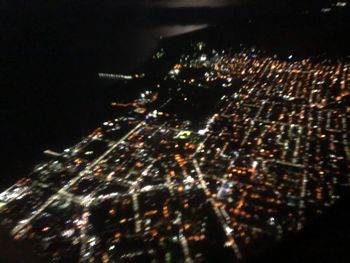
column 50, row 57
column 51, row 52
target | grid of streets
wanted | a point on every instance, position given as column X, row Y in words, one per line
column 272, row 154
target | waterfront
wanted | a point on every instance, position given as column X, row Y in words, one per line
column 51, row 54
column 51, row 92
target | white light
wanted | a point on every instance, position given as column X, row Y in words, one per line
column 147, row 188
column 326, row 10
column 189, row 179
column 341, row 4
column 228, row 230
column 92, row 242
column 68, row 233
column 112, row 247
column 203, row 131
